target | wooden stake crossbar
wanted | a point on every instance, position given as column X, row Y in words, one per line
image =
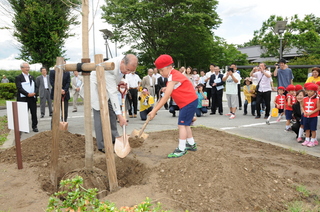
column 86, row 68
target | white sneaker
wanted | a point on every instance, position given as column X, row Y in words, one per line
column 232, row 116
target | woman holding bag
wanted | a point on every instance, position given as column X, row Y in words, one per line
column 203, row 102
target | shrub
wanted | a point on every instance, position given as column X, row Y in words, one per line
column 77, row 198
column 7, row 90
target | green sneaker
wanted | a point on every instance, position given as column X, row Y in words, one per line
column 177, row 153
column 191, row 147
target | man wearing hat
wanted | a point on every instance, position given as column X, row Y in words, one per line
column 182, row 91
column 4, row 79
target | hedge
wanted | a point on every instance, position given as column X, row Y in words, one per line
column 8, row 90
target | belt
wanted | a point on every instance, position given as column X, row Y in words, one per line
column 47, row 89
column 133, row 88
column 151, row 86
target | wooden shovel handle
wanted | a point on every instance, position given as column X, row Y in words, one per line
column 144, row 126
column 123, row 93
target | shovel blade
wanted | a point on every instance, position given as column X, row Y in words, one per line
column 144, row 136
column 134, row 133
column 63, row 126
column 122, row 147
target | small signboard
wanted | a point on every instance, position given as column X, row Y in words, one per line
column 23, row 116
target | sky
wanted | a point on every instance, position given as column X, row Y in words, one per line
column 239, row 20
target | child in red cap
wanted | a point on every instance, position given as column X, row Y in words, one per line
column 290, row 100
column 182, row 92
column 310, row 108
column 279, row 102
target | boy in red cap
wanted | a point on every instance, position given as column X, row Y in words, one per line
column 290, row 100
column 310, row 108
column 182, row 92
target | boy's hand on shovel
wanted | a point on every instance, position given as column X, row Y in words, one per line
column 152, row 114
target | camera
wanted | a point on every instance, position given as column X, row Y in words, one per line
column 230, row 69
column 276, row 64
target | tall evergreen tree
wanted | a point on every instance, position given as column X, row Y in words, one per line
column 42, row 26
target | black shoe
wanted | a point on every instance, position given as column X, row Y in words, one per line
column 35, row 129
column 42, row 116
column 174, row 115
column 221, row 114
column 253, row 114
column 257, row 117
column 50, row 114
column 245, row 114
column 212, row 113
column 240, row 108
column 266, row 117
column 101, row 150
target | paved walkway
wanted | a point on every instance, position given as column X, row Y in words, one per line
column 244, row 126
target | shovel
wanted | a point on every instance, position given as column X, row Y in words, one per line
column 122, row 146
column 139, row 133
column 63, row 125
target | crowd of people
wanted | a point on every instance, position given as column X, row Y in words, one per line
column 189, row 92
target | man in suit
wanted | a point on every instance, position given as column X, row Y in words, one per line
column 149, row 82
column 216, row 91
column 123, row 65
column 76, row 83
column 26, row 86
column 43, row 89
column 162, row 82
column 65, row 94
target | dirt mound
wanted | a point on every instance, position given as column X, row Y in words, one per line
column 227, row 173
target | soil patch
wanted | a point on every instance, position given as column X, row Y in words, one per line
column 227, row 173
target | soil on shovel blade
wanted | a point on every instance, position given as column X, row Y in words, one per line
column 227, row 173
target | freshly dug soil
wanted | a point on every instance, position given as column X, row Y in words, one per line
column 227, row 173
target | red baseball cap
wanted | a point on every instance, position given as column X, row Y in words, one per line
column 298, row 87
column 290, row 87
column 318, row 83
column 163, row 61
column 312, row 87
column 281, row 88
column 307, row 84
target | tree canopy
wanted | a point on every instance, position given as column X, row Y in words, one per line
column 181, row 28
column 42, row 26
column 303, row 34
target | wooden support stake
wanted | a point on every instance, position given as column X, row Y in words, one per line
column 87, row 119
column 105, row 122
column 55, row 122
column 17, row 133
